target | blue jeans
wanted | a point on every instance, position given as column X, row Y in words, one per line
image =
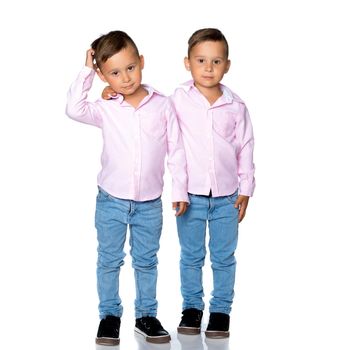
column 222, row 220
column 113, row 215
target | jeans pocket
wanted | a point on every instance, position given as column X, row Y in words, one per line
column 155, row 203
column 102, row 195
column 232, row 198
column 191, row 198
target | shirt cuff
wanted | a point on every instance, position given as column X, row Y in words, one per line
column 180, row 196
column 247, row 189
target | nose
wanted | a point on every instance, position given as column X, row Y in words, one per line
column 209, row 67
column 125, row 77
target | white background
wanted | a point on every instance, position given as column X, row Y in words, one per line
column 290, row 63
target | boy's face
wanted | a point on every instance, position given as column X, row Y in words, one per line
column 123, row 71
column 208, row 63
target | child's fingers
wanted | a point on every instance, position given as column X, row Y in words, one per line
column 108, row 93
column 238, row 202
column 181, row 208
column 241, row 204
column 241, row 215
column 89, row 58
column 242, row 211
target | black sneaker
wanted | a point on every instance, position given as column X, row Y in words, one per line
column 190, row 321
column 108, row 331
column 152, row 330
column 218, row 326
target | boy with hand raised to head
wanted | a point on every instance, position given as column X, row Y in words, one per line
column 139, row 126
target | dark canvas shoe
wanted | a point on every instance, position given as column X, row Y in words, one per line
column 108, row 331
column 152, row 330
column 190, row 321
column 218, row 326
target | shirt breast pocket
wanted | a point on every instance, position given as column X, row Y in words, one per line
column 224, row 125
column 153, row 125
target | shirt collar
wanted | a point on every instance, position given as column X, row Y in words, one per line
column 227, row 94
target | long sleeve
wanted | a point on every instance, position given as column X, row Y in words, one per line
column 78, row 108
column 245, row 143
column 176, row 157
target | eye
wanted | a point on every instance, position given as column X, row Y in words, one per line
column 200, row 60
column 217, row 61
column 116, row 73
column 131, row 68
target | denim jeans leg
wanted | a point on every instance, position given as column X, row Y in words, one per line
column 191, row 228
column 145, row 229
column 110, row 222
column 223, row 231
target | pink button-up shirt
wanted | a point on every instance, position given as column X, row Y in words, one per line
column 135, row 141
column 218, row 141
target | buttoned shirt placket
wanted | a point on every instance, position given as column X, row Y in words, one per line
column 137, row 157
column 211, row 163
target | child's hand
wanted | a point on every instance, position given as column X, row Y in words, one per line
column 89, row 62
column 108, row 92
column 180, row 208
column 241, row 204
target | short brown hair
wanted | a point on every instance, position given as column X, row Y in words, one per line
column 109, row 44
column 206, row 34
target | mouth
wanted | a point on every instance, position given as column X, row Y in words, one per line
column 128, row 87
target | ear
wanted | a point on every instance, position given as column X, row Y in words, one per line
column 228, row 65
column 142, row 61
column 102, row 77
column 187, row 63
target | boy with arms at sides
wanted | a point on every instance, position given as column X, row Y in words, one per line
column 218, row 140
column 139, row 127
